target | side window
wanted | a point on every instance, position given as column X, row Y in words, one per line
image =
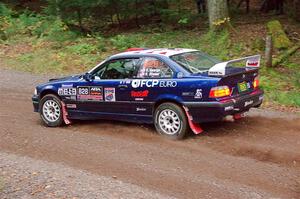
column 119, row 69
column 154, row 68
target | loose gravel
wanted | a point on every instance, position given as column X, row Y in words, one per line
column 23, row 177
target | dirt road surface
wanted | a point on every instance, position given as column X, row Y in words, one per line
column 256, row 157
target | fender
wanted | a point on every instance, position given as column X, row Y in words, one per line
column 169, row 97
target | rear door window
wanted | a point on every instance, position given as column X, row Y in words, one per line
column 154, row 68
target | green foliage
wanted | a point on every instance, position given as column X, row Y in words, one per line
column 36, row 25
column 281, row 87
column 217, row 43
column 107, row 12
column 280, row 39
column 82, row 49
column 288, row 98
column 122, row 42
column 4, row 10
column 258, row 45
column 183, row 21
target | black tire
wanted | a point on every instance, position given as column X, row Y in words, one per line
column 46, row 121
column 161, row 124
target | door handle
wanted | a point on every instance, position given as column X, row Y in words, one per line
column 122, row 86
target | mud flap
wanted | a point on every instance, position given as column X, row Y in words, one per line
column 194, row 126
column 65, row 113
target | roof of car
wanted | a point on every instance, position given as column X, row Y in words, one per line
column 167, row 52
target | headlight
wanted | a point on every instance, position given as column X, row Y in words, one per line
column 35, row 92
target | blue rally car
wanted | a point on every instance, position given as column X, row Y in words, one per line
column 176, row 89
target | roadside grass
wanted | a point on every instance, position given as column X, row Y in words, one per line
column 78, row 55
column 44, row 56
column 281, row 88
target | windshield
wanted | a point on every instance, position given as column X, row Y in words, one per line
column 195, row 62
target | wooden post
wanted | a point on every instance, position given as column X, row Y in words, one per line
column 269, row 49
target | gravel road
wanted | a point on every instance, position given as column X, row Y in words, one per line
column 256, row 157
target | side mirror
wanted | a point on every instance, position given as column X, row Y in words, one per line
column 88, row 77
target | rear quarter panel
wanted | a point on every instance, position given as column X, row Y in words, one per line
column 182, row 90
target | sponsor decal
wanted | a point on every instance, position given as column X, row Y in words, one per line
column 215, row 73
column 67, row 85
column 95, row 90
column 153, row 83
column 140, row 109
column 150, row 72
column 198, row 94
column 187, row 93
column 110, row 94
column 73, row 97
column 66, row 91
column 228, row 108
column 167, row 84
column 71, row 105
column 247, row 103
column 125, row 81
column 90, row 93
column 252, row 63
column 139, row 93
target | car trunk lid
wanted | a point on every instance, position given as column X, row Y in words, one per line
column 239, row 81
column 238, row 74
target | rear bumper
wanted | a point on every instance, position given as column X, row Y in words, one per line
column 35, row 102
column 215, row 111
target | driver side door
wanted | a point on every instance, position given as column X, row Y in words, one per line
column 105, row 96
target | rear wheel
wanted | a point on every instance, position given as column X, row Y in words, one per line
column 51, row 111
column 171, row 121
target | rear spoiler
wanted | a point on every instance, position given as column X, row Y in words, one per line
column 219, row 68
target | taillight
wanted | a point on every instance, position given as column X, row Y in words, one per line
column 219, row 91
column 256, row 82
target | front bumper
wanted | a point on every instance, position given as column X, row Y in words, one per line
column 35, row 102
column 215, row 111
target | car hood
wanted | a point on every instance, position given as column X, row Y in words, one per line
column 60, row 80
column 67, row 78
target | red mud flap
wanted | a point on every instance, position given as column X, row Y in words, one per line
column 65, row 113
column 194, row 126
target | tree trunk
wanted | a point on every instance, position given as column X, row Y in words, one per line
column 79, row 17
column 58, row 11
column 285, row 55
column 218, row 14
column 268, row 53
column 296, row 9
column 136, row 13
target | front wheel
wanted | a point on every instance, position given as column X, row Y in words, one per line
column 171, row 121
column 51, row 111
